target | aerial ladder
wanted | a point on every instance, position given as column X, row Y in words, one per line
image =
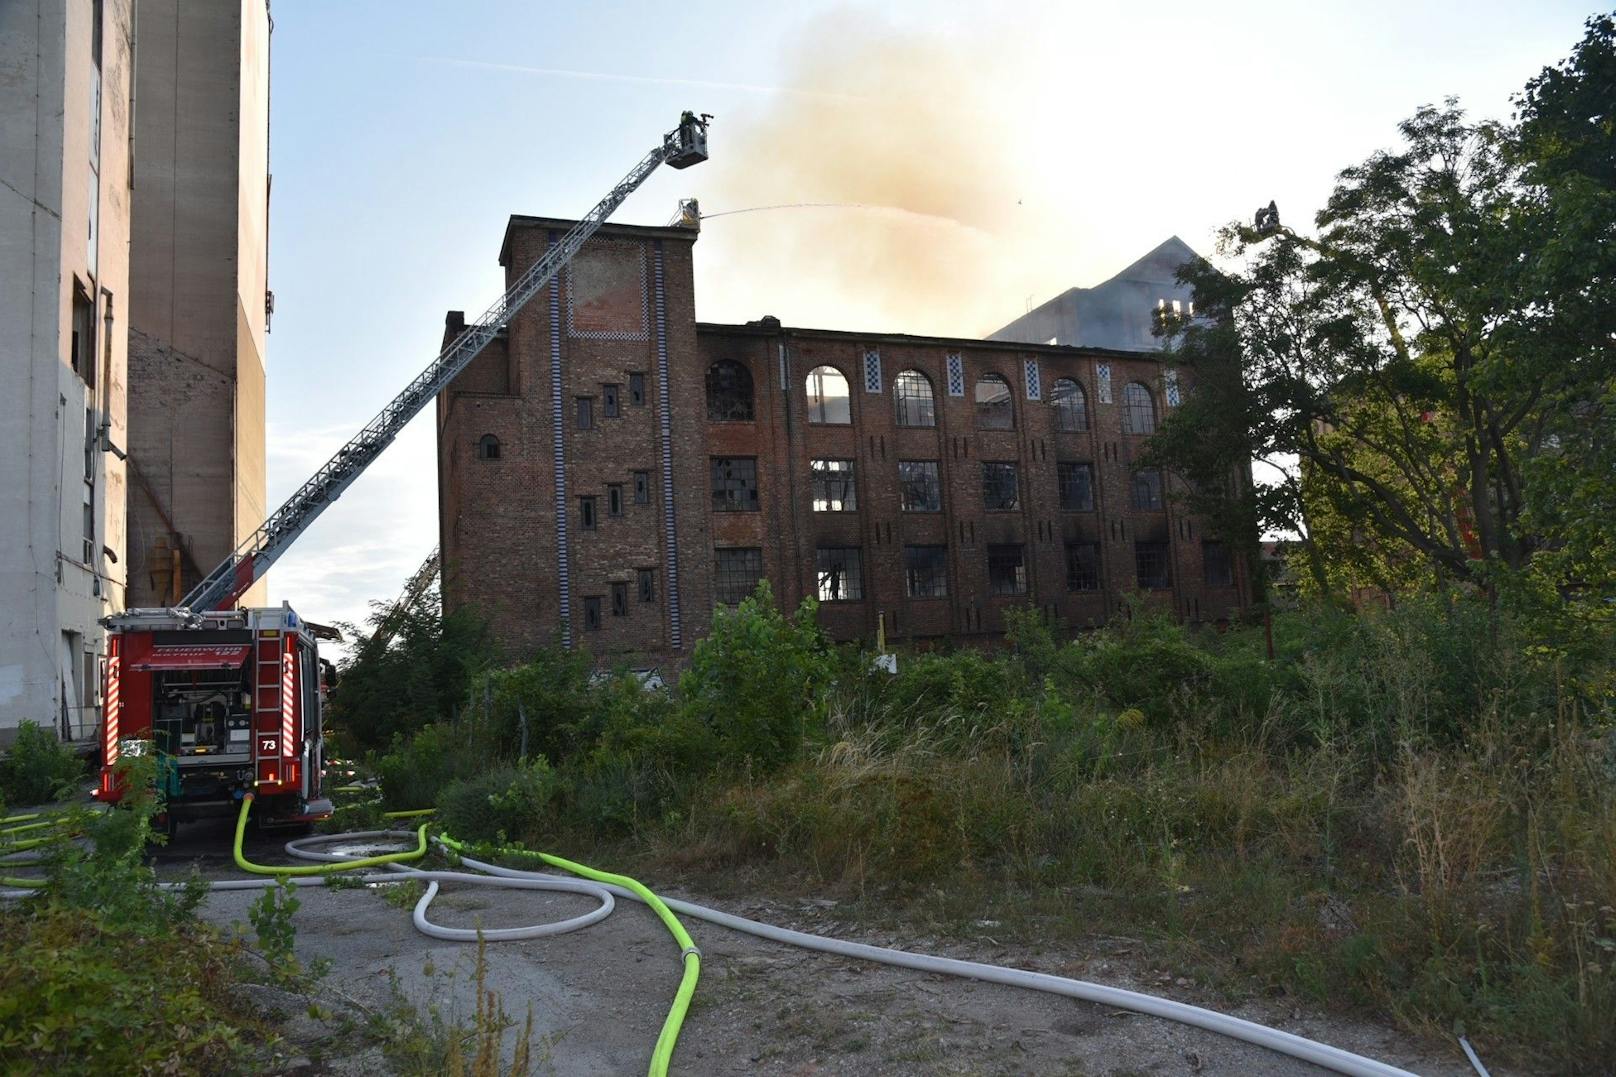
column 414, row 589
column 231, row 699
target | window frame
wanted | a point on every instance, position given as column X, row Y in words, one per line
column 486, row 443
column 588, row 513
column 614, row 499
column 1073, row 583
column 905, row 485
column 905, row 396
column 1138, row 482
column 1069, row 405
column 645, row 584
column 1134, row 414
column 998, row 552
column 732, row 483
column 850, row 561
column 1225, row 560
column 753, row 555
column 936, row 569
column 1000, row 468
column 619, row 598
column 583, row 412
column 818, row 400
column 642, row 487
column 611, row 400
column 636, row 388
column 1153, row 548
column 818, row 478
column 987, row 411
column 1066, row 468
column 743, row 370
column 592, row 613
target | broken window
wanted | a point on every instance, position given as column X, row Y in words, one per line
column 1147, row 490
column 734, row 484
column 1082, row 566
column 1007, row 571
column 736, row 572
column 729, row 392
column 827, row 396
column 1071, row 406
column 614, row 499
column 586, row 412
column 999, row 486
column 838, row 574
column 609, row 400
column 591, row 613
column 636, row 389
column 1151, row 565
column 925, row 571
column 912, row 391
column 920, row 486
column 642, row 487
column 620, row 600
column 833, row 489
column 1216, row 568
column 646, row 578
column 586, row 513
column 488, row 447
column 1076, row 486
column 1138, row 409
column 993, row 409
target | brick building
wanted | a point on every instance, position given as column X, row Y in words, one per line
column 610, row 468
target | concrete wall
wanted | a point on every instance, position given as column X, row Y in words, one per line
column 64, row 230
column 197, row 339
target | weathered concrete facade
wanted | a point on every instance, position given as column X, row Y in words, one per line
column 611, row 469
column 66, row 71
column 199, row 314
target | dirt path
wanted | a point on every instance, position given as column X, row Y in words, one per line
column 599, row 996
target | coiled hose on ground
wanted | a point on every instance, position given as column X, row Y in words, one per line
column 605, row 887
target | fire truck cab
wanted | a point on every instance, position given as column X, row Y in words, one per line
column 230, row 702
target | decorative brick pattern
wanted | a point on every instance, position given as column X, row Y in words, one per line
column 956, row 375
column 1102, row 382
column 872, row 371
column 1035, row 388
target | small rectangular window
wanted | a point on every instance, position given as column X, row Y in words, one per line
column 636, row 389
column 620, row 600
column 646, row 578
column 1082, row 566
column 608, row 400
column 1007, row 571
column 592, row 613
column 734, row 484
column 839, row 578
column 833, row 487
column 1147, row 490
column 1076, row 486
column 925, row 571
column 1152, row 566
column 83, row 343
column 1216, row 567
column 999, row 486
column 586, row 412
column 920, row 486
column 736, row 573
column 642, row 487
column 614, row 499
column 586, row 513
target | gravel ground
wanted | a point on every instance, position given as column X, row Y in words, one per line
column 598, row 996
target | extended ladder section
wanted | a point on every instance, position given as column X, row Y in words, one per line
column 682, row 147
column 417, row 585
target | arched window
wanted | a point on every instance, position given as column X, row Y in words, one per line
column 1138, row 409
column 827, row 396
column 729, row 392
column 488, row 447
column 912, row 391
column 1071, row 406
column 993, row 403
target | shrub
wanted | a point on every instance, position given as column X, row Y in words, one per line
column 38, row 768
column 508, row 803
column 417, row 770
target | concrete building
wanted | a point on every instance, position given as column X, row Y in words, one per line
column 1120, row 313
column 66, row 94
column 199, row 310
column 611, row 469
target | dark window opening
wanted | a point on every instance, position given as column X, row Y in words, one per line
column 1216, row 567
column 636, row 389
column 488, row 447
column 592, row 613
column 614, row 499
column 1082, row 566
column 1071, row 406
column 586, row 412
column 734, row 484
column 1076, row 486
column 586, row 513
column 1007, row 571
column 83, row 343
column 925, row 571
column 999, row 486
column 916, row 406
column 736, row 572
column 642, row 487
column 609, row 400
column 993, row 408
column 646, row 578
column 1138, row 409
column 1152, row 566
column 833, row 489
column 920, row 485
column 1147, row 490
column 838, row 574
column 619, row 600
column 729, row 392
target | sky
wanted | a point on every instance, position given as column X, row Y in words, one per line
column 978, row 159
